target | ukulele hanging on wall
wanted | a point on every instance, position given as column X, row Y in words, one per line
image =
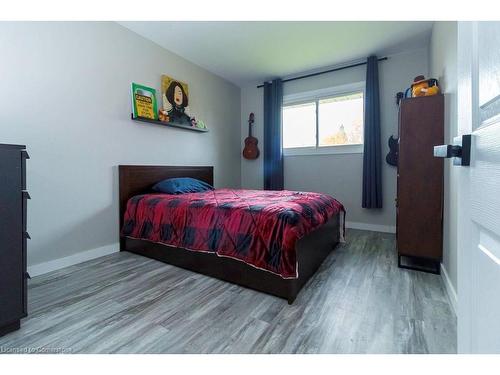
column 251, row 151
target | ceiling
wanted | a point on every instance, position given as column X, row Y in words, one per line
column 249, row 52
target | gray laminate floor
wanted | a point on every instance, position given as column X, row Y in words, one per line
column 358, row 302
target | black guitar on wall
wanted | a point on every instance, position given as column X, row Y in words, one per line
column 392, row 156
column 393, row 143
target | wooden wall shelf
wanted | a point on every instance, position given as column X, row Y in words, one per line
column 168, row 124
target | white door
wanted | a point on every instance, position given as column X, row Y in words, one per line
column 479, row 188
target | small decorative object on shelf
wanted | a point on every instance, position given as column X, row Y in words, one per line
column 163, row 116
column 200, row 124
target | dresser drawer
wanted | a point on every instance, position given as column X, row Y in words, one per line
column 25, row 276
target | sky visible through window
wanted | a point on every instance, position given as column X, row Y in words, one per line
column 340, row 122
column 299, row 125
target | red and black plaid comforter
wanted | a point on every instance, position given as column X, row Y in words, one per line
column 255, row 226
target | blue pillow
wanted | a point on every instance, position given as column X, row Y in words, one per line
column 181, row 185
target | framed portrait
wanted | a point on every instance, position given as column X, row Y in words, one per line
column 175, row 97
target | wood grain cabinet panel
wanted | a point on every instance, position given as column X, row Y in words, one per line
column 420, row 180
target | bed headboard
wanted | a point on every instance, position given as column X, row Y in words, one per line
column 138, row 179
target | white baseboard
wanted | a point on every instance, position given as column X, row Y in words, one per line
column 450, row 290
column 53, row 265
column 371, row 227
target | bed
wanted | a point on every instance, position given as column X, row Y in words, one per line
column 230, row 234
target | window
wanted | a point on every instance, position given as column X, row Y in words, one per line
column 324, row 121
column 299, row 125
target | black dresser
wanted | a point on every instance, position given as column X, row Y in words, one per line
column 13, row 237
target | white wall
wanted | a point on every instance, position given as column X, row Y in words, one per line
column 66, row 95
column 339, row 175
column 443, row 66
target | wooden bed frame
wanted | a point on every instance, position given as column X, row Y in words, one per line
column 311, row 250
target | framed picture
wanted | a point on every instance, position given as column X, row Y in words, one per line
column 175, row 96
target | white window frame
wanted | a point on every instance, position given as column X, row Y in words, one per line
column 316, row 96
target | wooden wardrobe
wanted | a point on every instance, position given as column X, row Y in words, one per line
column 419, row 223
column 13, row 237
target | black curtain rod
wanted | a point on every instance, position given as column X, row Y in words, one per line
column 326, row 71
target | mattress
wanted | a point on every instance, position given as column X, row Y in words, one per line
column 257, row 227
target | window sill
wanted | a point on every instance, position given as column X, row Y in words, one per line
column 332, row 150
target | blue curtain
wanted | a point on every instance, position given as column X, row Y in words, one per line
column 273, row 150
column 372, row 164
